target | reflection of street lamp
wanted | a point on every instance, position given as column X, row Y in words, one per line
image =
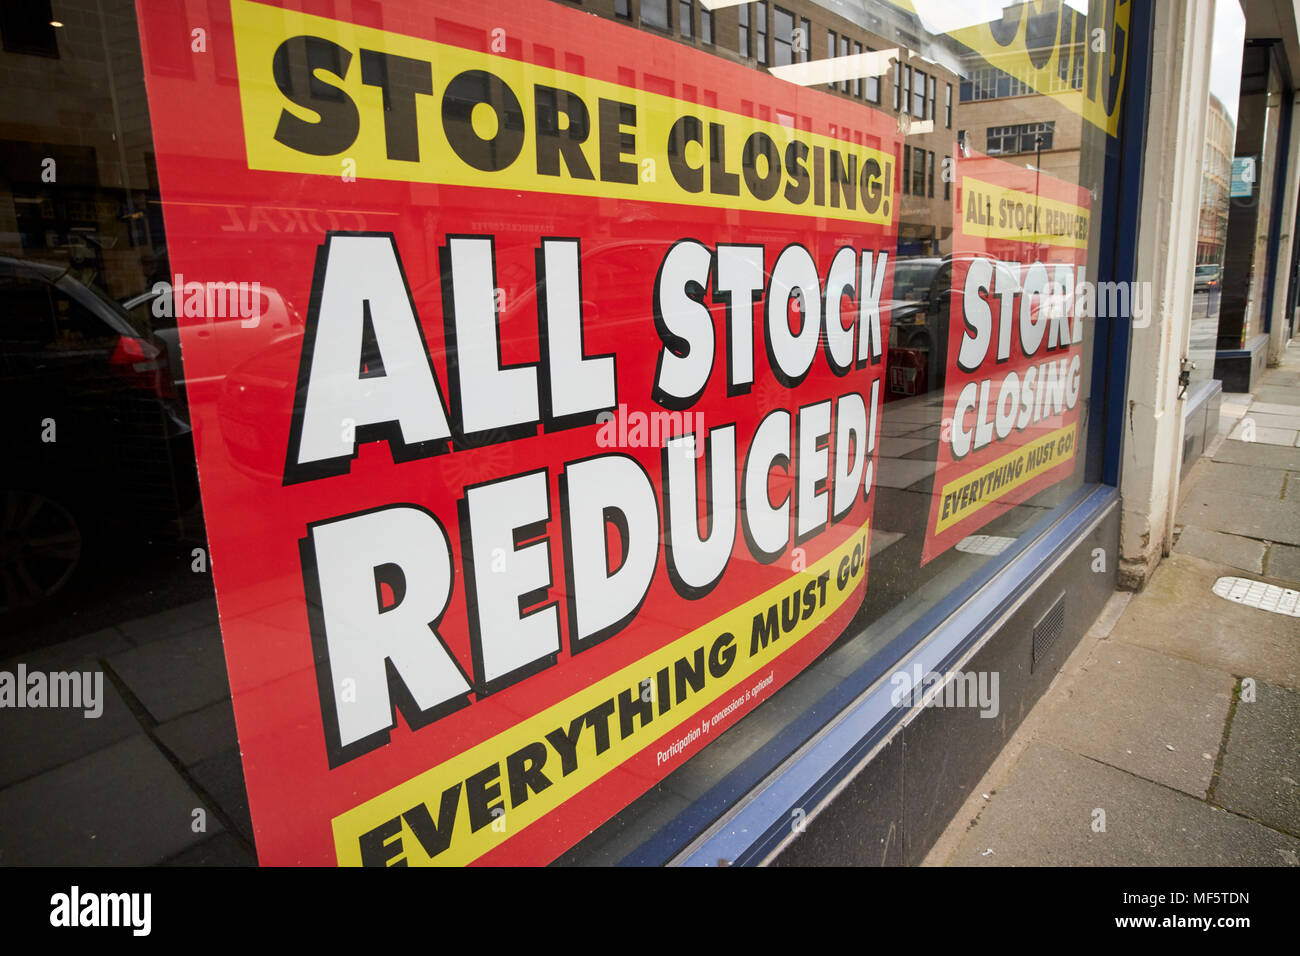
column 1038, row 163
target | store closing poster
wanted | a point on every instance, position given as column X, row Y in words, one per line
column 548, row 455
column 1013, row 377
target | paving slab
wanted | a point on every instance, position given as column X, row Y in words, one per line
column 894, row 429
column 1283, row 562
column 1234, row 479
column 1245, row 554
column 1268, row 519
column 1273, row 408
column 40, row 739
column 1270, row 420
column 1044, row 816
column 901, row 472
column 176, row 676
column 1260, row 776
column 172, row 622
column 1156, row 716
column 124, row 805
column 221, row 850
column 898, row 447
column 222, row 778
column 1179, row 614
column 1259, row 455
column 77, row 653
column 1270, row 394
column 204, row 733
column 1248, row 430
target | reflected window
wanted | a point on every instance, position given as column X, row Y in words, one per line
column 654, row 13
column 1024, row 138
column 783, row 38
column 28, row 27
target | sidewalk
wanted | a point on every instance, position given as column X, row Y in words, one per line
column 1171, row 736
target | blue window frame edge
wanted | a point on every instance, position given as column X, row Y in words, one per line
column 746, row 816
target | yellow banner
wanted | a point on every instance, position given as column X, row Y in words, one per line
column 1051, row 48
column 313, row 94
column 962, row 497
column 455, row 812
column 990, row 211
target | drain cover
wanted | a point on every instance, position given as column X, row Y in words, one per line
column 1266, row 597
column 984, row 544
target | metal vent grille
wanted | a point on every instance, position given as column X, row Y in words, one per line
column 1048, row 629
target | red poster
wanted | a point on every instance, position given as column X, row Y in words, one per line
column 535, row 365
column 1015, row 356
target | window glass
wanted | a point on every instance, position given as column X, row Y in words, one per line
column 607, row 351
column 783, row 38
column 654, row 13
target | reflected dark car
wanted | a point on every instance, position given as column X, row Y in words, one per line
column 93, row 436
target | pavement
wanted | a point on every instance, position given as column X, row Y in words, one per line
column 155, row 778
column 1171, row 736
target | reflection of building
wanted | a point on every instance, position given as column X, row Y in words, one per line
column 1216, row 181
column 74, row 193
column 1002, row 115
column 921, row 91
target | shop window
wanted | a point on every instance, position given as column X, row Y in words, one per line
column 275, row 225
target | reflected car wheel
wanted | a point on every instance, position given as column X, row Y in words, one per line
column 40, row 548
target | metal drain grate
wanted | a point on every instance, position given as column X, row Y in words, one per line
column 1266, row 597
column 984, row 544
column 1048, row 629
